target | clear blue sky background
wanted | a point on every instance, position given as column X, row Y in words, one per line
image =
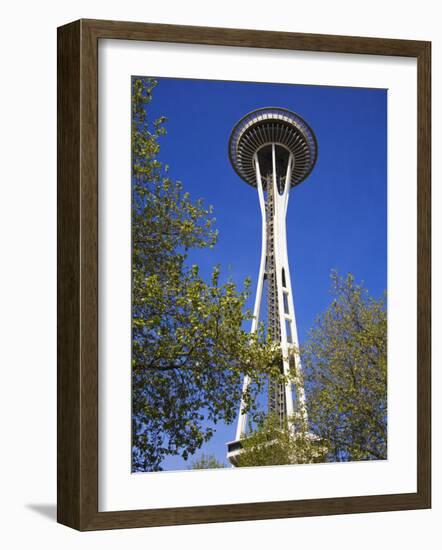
column 337, row 218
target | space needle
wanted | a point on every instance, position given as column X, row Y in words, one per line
column 273, row 150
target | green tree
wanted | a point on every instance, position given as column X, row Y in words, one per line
column 206, row 462
column 345, row 372
column 268, row 444
column 345, row 378
column 189, row 350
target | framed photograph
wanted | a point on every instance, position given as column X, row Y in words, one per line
column 243, row 275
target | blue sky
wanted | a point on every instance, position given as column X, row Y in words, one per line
column 336, row 219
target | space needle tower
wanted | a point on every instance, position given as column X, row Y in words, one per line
column 273, row 150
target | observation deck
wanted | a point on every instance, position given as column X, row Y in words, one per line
column 255, row 133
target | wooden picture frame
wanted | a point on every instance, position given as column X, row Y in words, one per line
column 78, row 274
